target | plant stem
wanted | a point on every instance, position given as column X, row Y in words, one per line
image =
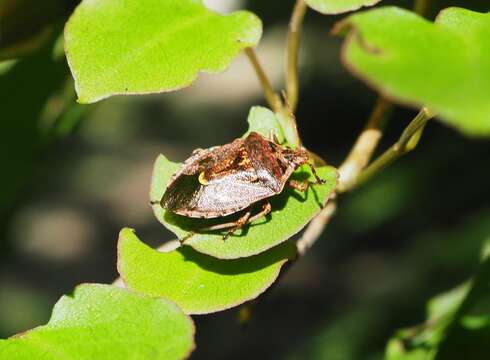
column 380, row 109
column 315, row 228
column 270, row 95
column 294, row 37
column 421, row 7
column 366, row 143
column 407, row 142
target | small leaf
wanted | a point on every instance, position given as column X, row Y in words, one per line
column 105, row 322
column 338, row 6
column 262, row 121
column 444, row 66
column 147, row 46
column 198, row 283
column 291, row 210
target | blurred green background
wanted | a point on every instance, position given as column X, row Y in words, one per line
column 73, row 176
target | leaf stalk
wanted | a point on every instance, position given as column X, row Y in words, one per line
column 293, row 43
column 406, row 143
column 366, row 143
column 273, row 99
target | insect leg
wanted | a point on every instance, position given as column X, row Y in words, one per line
column 313, row 170
column 303, row 185
column 242, row 221
column 266, row 208
column 299, row 185
column 234, row 225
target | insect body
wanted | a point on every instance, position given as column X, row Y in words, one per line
column 224, row 180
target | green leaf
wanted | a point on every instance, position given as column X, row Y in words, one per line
column 147, row 46
column 262, row 121
column 338, row 6
column 105, row 322
column 198, row 283
column 444, row 66
column 291, row 211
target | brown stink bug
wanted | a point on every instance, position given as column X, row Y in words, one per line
column 223, row 180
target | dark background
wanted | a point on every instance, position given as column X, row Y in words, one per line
column 70, row 183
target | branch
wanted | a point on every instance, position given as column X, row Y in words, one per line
column 272, row 98
column 406, row 143
column 315, row 229
column 364, row 147
column 294, row 37
column 421, row 7
column 368, row 140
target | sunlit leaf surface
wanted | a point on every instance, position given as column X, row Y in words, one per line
column 444, row 66
column 196, row 282
column 147, row 46
column 105, row 322
column 338, row 6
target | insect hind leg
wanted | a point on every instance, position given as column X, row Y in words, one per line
column 241, row 222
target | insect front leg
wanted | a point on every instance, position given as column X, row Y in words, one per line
column 313, row 170
column 303, row 185
column 299, row 185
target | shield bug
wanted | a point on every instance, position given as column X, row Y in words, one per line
column 223, row 180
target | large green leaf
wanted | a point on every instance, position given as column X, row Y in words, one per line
column 291, row 210
column 105, row 322
column 198, row 283
column 338, row 6
column 444, row 66
column 146, row 46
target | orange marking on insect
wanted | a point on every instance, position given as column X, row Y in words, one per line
column 202, row 178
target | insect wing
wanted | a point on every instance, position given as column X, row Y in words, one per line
column 229, row 194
